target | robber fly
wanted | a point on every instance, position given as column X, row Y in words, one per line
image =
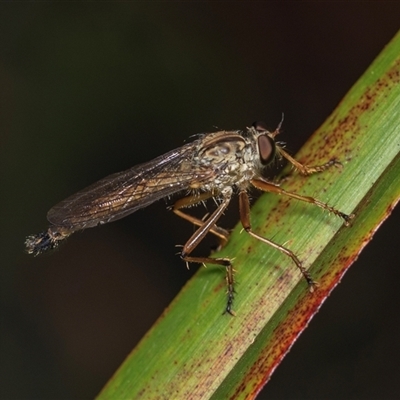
column 214, row 165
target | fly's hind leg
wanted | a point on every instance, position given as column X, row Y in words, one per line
column 209, row 225
column 221, row 233
column 225, row 262
column 244, row 208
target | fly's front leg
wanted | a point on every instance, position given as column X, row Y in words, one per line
column 308, row 169
column 271, row 187
column 303, row 169
column 204, row 227
column 244, row 208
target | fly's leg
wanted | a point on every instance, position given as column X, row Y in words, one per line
column 308, row 169
column 244, row 208
column 221, row 233
column 225, row 262
column 209, row 226
column 271, row 187
column 303, row 169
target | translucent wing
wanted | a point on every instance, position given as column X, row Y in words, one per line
column 122, row 193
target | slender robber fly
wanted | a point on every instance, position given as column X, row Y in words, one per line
column 214, row 165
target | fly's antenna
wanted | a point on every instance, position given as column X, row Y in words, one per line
column 277, row 131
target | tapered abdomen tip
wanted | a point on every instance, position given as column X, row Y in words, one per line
column 44, row 241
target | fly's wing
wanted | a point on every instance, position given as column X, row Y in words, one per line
column 122, row 193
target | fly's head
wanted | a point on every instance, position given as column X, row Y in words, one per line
column 265, row 149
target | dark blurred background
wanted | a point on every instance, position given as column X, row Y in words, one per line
column 91, row 89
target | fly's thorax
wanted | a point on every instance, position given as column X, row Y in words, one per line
column 226, row 156
column 220, row 148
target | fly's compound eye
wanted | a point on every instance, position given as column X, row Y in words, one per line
column 266, row 149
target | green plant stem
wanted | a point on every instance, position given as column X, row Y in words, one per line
column 193, row 351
